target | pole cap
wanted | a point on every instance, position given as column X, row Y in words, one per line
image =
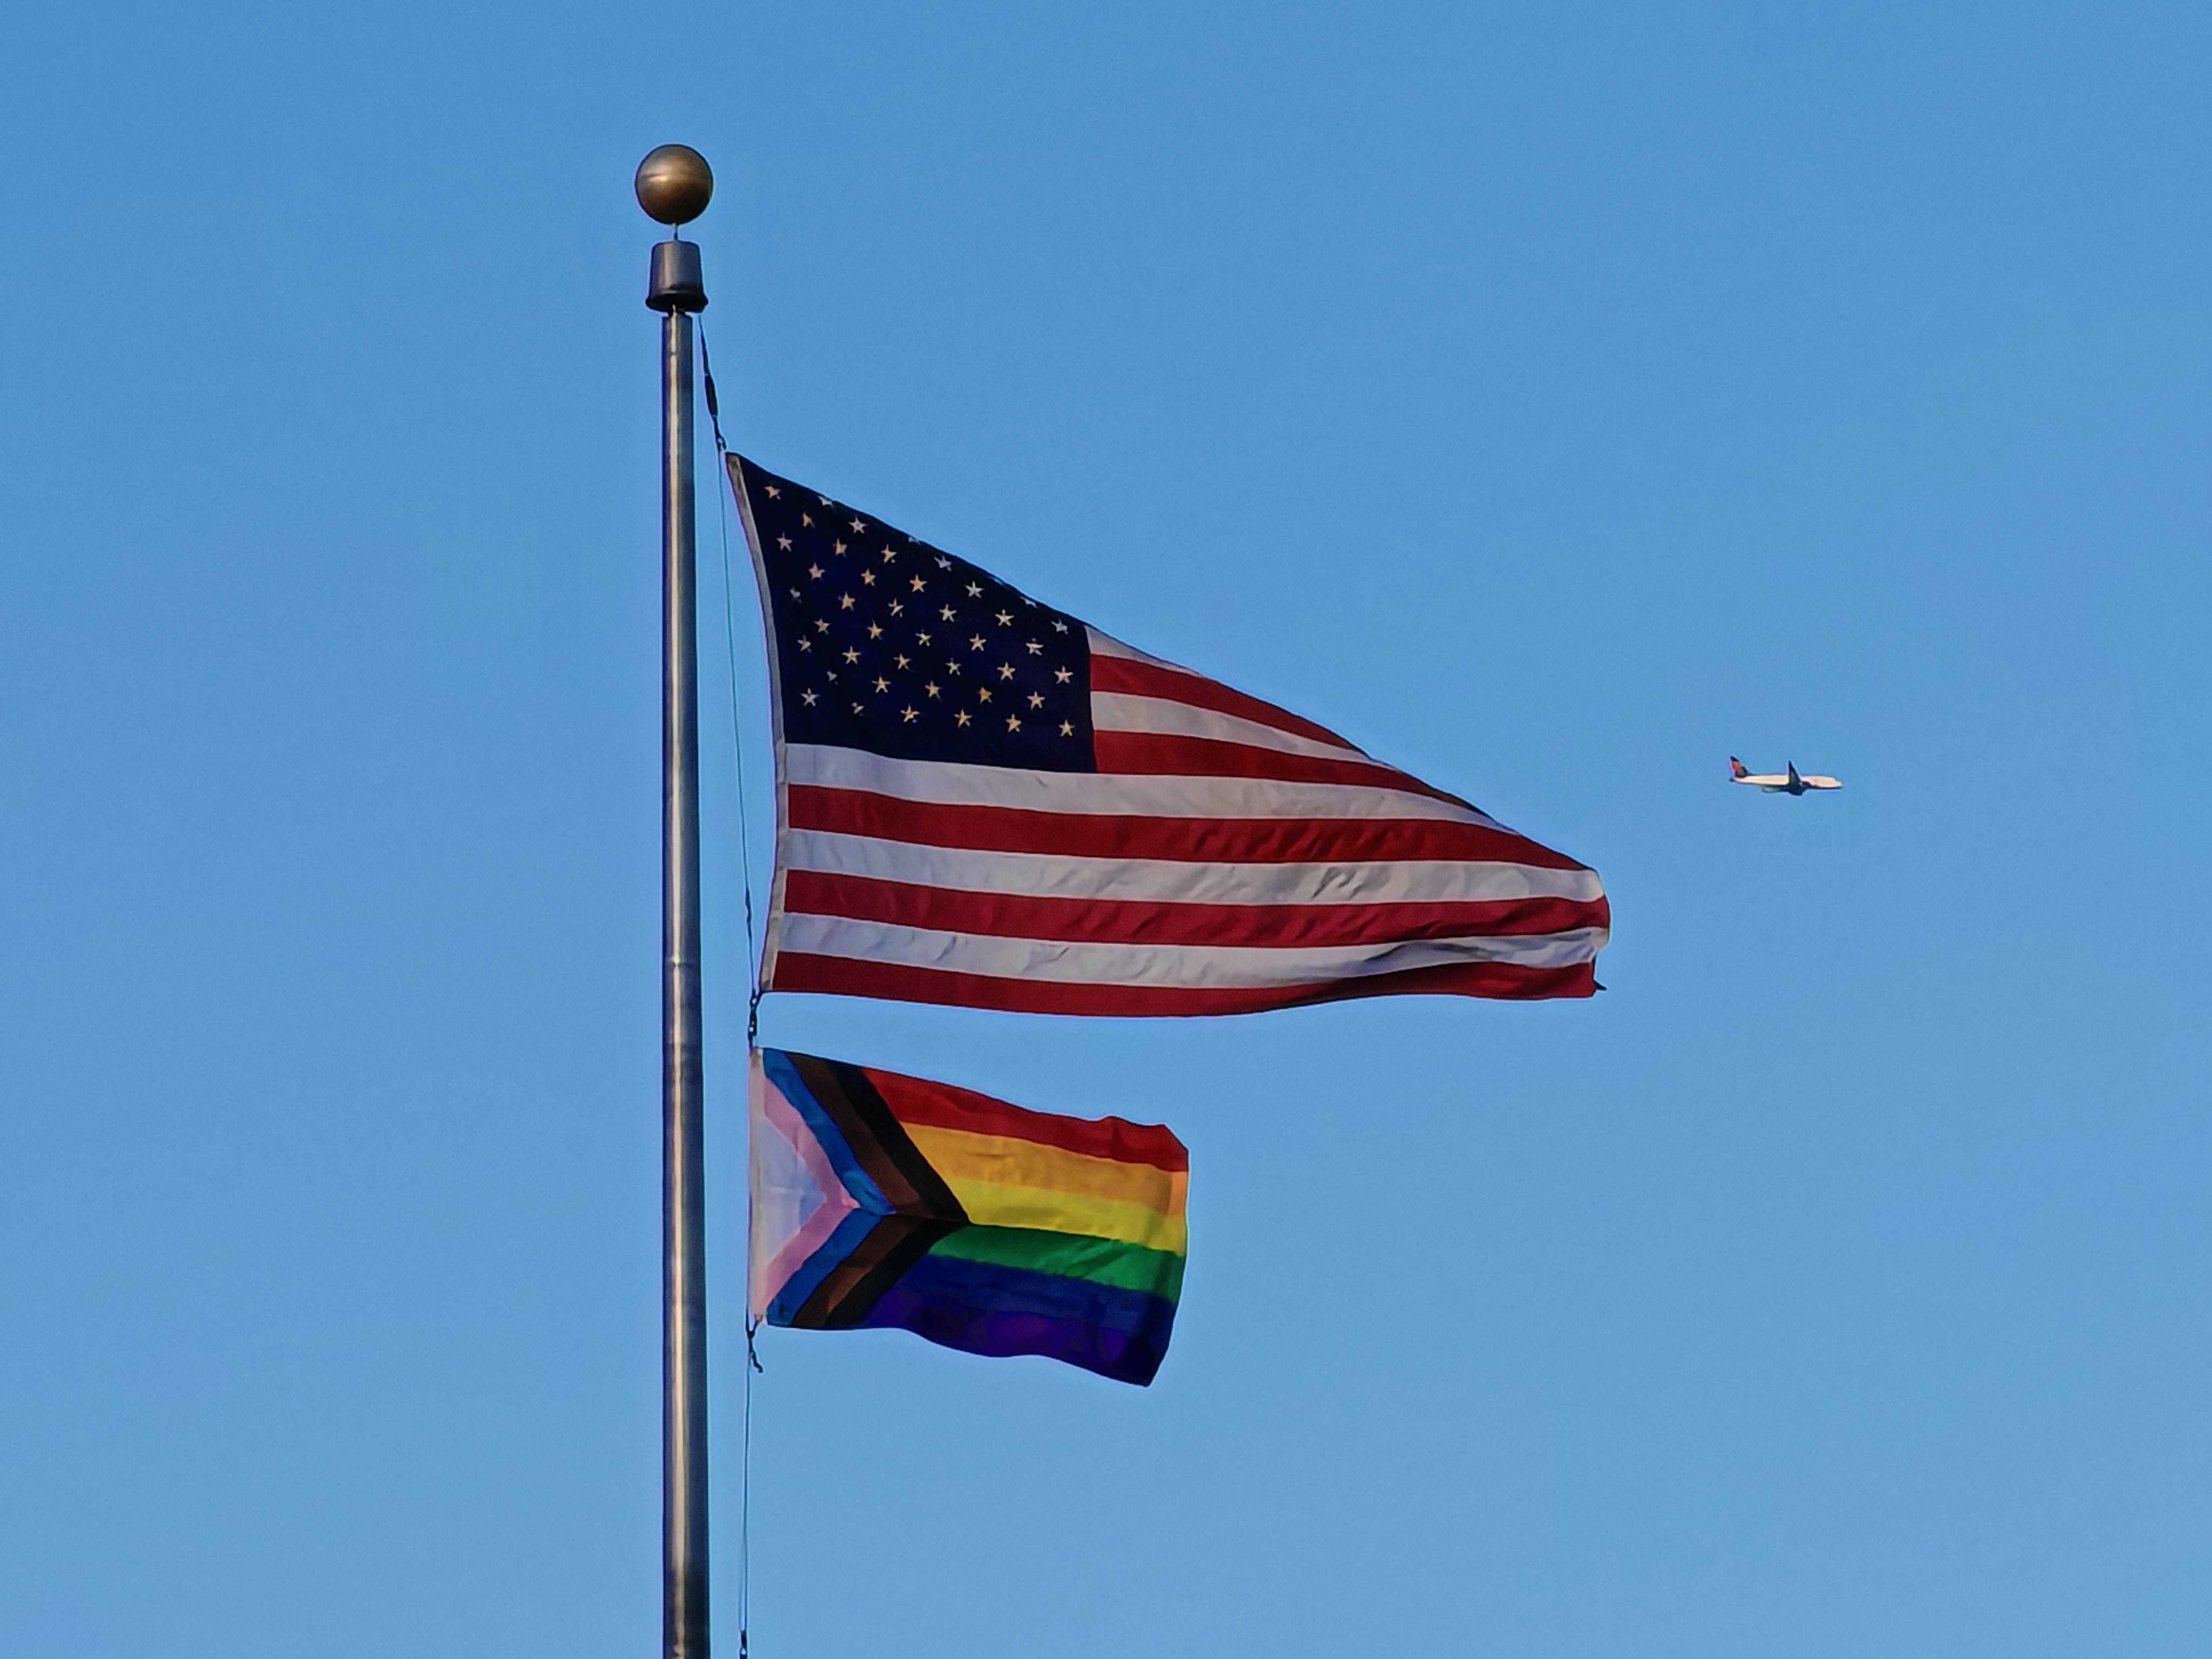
column 674, row 183
column 676, row 283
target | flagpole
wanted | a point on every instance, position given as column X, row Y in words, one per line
column 673, row 186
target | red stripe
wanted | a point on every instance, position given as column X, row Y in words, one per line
column 1154, row 922
column 1154, row 754
column 1147, row 679
column 1182, row 840
column 849, row 977
column 919, row 1102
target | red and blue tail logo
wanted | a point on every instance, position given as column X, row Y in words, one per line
column 1737, row 768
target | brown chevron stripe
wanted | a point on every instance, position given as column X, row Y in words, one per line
column 854, row 1285
column 881, row 1144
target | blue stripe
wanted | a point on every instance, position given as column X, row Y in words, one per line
column 983, row 1307
column 816, row 1267
column 782, row 1073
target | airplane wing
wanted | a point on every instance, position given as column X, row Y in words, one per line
column 1819, row 781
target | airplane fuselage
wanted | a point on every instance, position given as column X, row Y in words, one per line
column 1791, row 782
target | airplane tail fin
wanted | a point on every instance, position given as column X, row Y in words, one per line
column 1737, row 768
column 1793, row 771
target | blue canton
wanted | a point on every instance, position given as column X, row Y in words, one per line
column 888, row 644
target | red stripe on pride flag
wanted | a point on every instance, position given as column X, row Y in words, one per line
column 1152, row 921
column 1144, row 679
column 919, row 1103
column 1152, row 754
column 797, row 970
column 1189, row 841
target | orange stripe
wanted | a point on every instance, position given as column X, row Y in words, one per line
column 1003, row 1181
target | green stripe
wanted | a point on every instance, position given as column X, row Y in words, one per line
column 1071, row 1255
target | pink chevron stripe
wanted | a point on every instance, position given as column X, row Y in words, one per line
column 815, row 1230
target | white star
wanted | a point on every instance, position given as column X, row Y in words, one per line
column 974, row 592
column 1013, row 722
column 807, row 697
column 1005, row 671
column 1059, row 628
column 1062, row 675
column 814, row 572
column 856, row 708
column 1035, row 649
column 1005, row 619
column 889, row 554
column 960, row 717
column 881, row 684
column 852, row 655
column 784, row 542
column 806, row 645
column 837, row 548
column 794, row 593
column 951, row 667
column 944, row 564
column 868, row 578
column 931, row 688
column 906, row 713
column 1036, row 699
column 875, row 630
column 898, row 662
column 945, row 613
column 1066, row 730
column 844, row 601
column 858, row 526
column 916, row 583
column 774, row 493
column 821, row 626
column 975, row 641
column 982, row 694
column 921, row 639
column 805, row 519
column 897, row 607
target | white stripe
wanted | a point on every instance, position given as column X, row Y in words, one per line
column 1051, row 875
column 951, row 783
column 1184, row 965
column 1105, row 645
column 1122, row 711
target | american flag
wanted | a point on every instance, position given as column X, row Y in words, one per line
column 984, row 801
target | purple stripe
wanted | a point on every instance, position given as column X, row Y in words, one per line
column 983, row 1308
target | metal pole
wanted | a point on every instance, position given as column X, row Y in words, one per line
column 675, row 291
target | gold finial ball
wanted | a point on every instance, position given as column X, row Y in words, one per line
column 674, row 183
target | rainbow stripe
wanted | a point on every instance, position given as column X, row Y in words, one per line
column 886, row 1201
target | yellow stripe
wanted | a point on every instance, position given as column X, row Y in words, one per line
column 1051, row 1210
column 1002, row 1182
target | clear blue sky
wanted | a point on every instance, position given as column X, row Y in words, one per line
column 1813, row 384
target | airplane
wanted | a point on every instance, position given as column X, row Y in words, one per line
column 1780, row 783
